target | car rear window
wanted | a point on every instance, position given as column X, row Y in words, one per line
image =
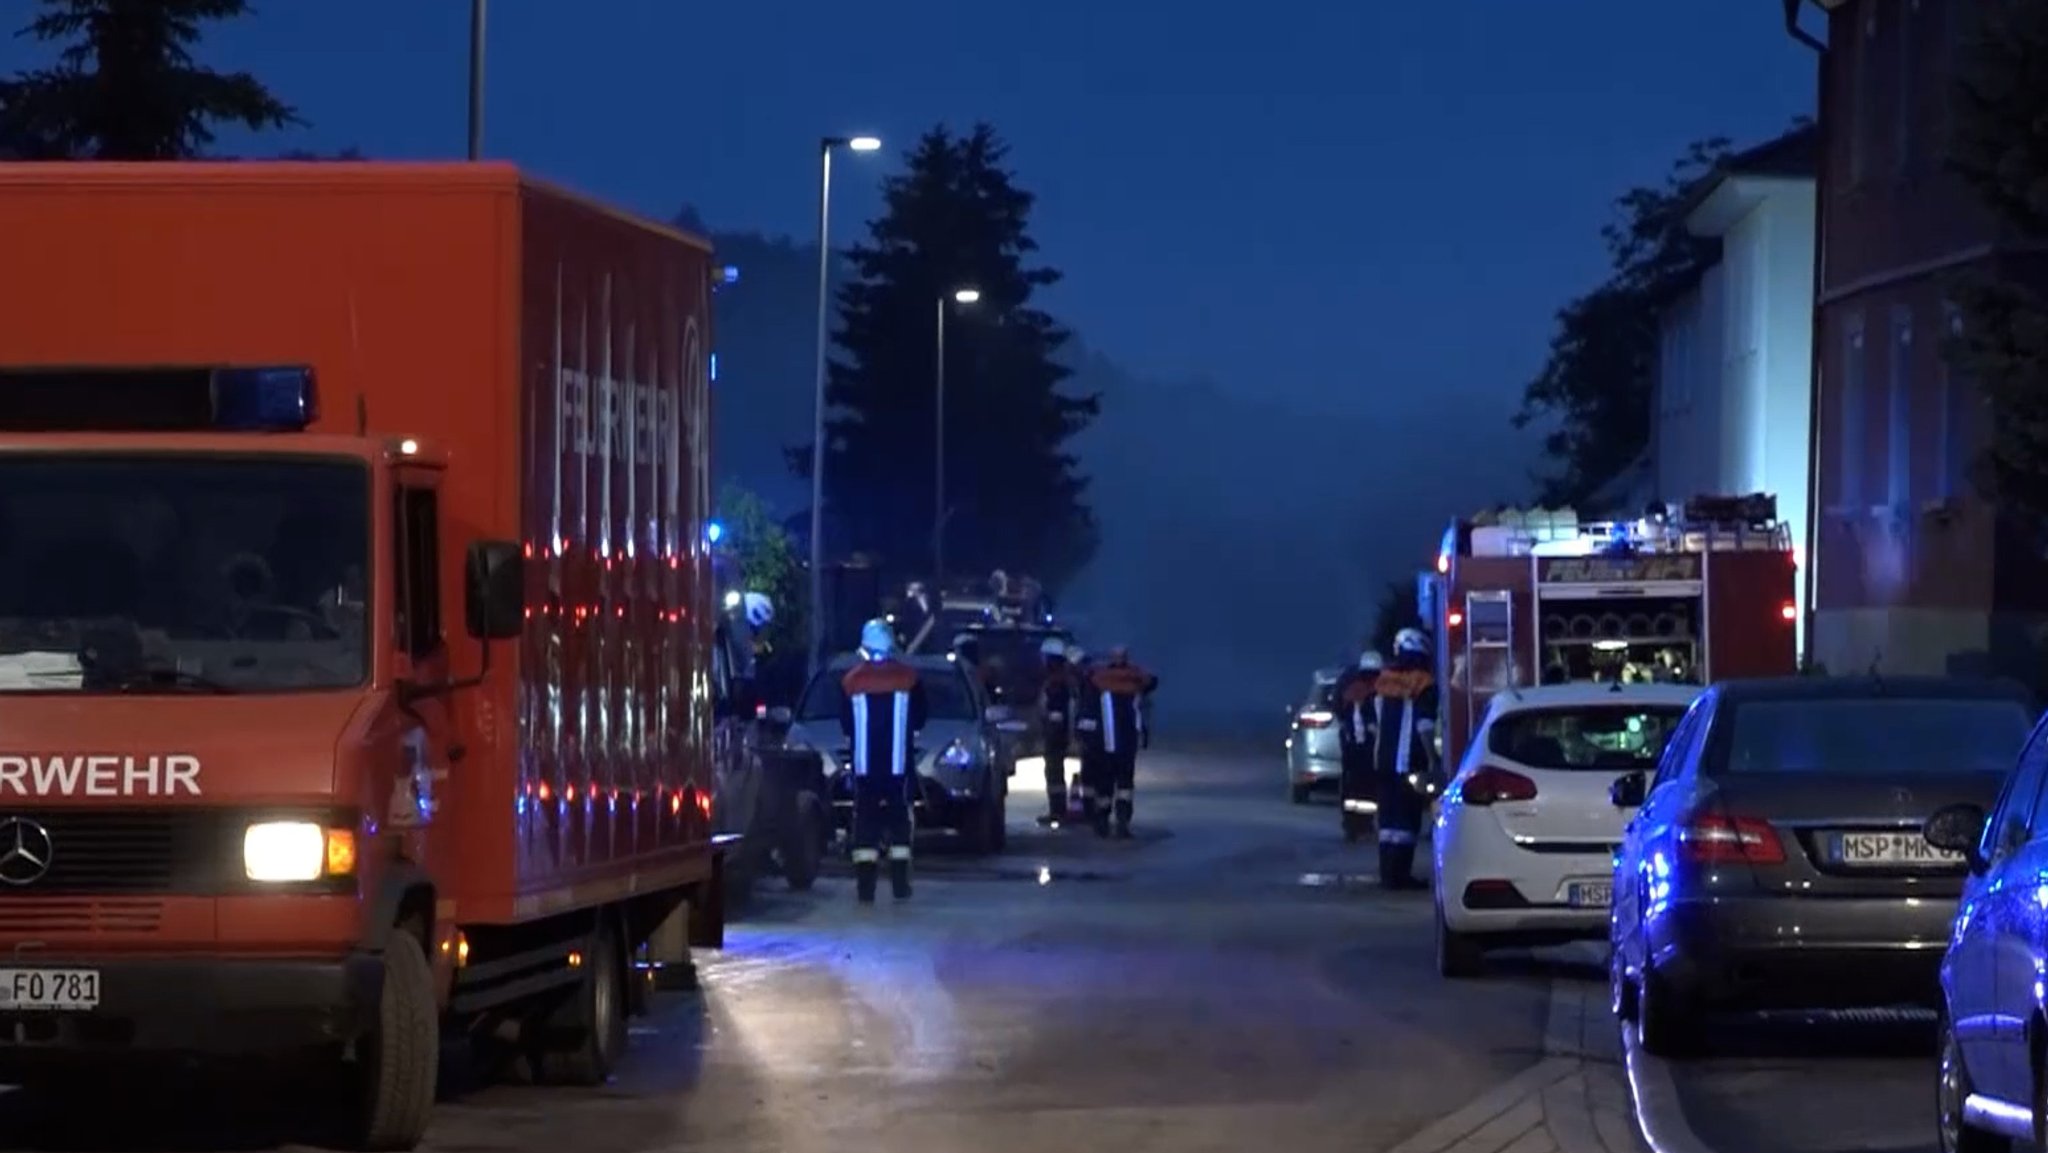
column 1602, row 737
column 1323, row 695
column 1876, row 735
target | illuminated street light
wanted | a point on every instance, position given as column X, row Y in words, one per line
column 817, row 613
column 961, row 296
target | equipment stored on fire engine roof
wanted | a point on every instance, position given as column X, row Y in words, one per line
column 1684, row 593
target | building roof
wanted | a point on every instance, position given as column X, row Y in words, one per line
column 1726, row 194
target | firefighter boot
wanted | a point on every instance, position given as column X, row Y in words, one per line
column 899, row 877
column 865, row 874
column 1389, row 868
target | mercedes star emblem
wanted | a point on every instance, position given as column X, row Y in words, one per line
column 25, row 851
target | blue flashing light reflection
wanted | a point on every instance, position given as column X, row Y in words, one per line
column 714, row 532
column 714, row 368
column 264, row 399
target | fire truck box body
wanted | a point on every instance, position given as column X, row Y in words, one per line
column 1705, row 597
column 474, row 412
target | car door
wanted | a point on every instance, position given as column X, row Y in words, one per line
column 1634, row 872
column 2003, row 930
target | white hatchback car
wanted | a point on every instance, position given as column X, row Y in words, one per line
column 1525, row 836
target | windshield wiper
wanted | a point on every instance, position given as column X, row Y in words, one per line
column 154, row 678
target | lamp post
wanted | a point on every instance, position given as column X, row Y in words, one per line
column 962, row 296
column 817, row 605
column 476, row 78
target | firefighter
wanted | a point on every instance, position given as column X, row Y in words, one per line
column 1358, row 794
column 1056, row 722
column 1403, row 730
column 1087, row 729
column 883, row 710
column 1120, row 688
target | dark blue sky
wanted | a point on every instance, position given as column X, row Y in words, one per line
column 1320, row 201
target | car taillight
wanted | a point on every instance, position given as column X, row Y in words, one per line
column 1492, row 784
column 1731, row 840
column 1316, row 719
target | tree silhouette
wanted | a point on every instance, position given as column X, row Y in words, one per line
column 1600, row 377
column 954, row 218
column 1996, row 145
column 126, row 86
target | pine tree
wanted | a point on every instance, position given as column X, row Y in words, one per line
column 126, row 86
column 954, row 218
column 1997, row 146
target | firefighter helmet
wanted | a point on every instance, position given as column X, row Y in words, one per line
column 1052, row 647
column 877, row 639
column 760, row 610
column 1371, row 661
column 1411, row 643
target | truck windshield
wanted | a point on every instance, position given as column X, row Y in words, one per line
column 170, row 573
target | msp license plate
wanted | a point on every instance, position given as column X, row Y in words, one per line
column 1890, row 849
column 24, row 990
column 1589, row 894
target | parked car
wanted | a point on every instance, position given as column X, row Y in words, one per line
column 963, row 766
column 1314, row 761
column 1526, row 832
column 1779, row 858
column 1994, row 1011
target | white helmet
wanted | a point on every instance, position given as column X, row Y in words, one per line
column 1370, row 661
column 877, row 639
column 1052, row 647
column 1076, row 654
column 760, row 610
column 1411, row 643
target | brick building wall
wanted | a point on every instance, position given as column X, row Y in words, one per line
column 1910, row 573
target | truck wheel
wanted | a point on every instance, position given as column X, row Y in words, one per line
column 803, row 845
column 583, row 1040
column 398, row 1063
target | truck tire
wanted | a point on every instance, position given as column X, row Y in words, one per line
column 398, row 1064
column 805, row 842
column 581, row 1042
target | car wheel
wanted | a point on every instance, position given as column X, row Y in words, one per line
column 1458, row 955
column 1951, row 1089
column 1667, row 1022
column 1299, row 794
column 804, row 843
column 996, row 809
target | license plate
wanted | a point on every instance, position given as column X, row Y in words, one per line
column 1589, row 894
column 24, row 990
column 1903, row 847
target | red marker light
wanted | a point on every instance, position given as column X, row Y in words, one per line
column 1789, row 611
column 1454, row 619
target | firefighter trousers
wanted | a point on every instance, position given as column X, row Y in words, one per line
column 1121, row 774
column 881, row 818
column 1400, row 822
column 1358, row 794
column 1056, row 776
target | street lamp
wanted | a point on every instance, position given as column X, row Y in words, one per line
column 817, row 613
column 961, row 296
column 476, row 79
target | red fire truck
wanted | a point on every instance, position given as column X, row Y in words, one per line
column 1701, row 592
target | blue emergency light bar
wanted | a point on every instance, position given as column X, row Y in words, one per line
column 199, row 399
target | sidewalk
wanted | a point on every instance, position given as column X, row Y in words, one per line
column 1575, row 1101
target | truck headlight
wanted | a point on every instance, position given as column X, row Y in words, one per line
column 282, row 851
column 957, row 756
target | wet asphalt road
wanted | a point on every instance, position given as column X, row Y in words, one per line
column 1813, row 1085
column 1226, row 981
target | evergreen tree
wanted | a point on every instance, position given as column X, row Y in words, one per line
column 125, row 85
column 954, row 218
column 1997, row 146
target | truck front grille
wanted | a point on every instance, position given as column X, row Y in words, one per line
column 94, row 851
column 74, row 916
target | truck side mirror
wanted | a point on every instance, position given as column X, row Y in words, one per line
column 494, row 590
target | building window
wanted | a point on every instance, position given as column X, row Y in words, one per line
column 1850, row 441
column 1899, row 414
column 1864, row 75
column 1955, row 424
